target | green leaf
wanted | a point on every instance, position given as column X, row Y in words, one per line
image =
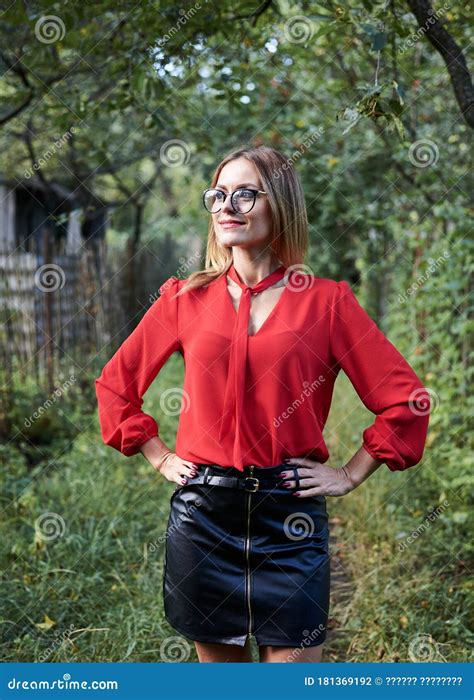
column 323, row 18
column 326, row 29
column 399, row 90
column 378, row 41
column 396, row 107
column 368, row 29
column 400, row 29
column 399, row 127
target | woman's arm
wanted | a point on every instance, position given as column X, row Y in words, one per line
column 155, row 451
column 128, row 374
column 387, row 386
column 385, row 382
column 360, row 466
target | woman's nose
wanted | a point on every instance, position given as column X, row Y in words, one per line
column 226, row 205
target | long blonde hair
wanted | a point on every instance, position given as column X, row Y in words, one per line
column 288, row 212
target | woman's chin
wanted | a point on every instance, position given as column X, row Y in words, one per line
column 234, row 237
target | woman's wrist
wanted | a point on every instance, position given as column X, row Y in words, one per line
column 360, row 467
column 155, row 452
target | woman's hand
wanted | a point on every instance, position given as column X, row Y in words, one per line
column 318, row 479
column 176, row 469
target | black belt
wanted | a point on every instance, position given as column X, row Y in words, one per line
column 245, row 483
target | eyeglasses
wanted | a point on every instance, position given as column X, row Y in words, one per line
column 242, row 200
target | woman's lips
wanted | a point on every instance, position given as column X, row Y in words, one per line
column 231, row 224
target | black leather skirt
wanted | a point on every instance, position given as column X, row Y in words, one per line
column 242, row 562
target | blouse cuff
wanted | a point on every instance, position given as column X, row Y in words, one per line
column 379, row 448
column 133, row 433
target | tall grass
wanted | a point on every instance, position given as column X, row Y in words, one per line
column 88, row 585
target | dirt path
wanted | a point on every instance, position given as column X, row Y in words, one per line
column 342, row 590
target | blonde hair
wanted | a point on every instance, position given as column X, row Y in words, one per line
column 288, row 212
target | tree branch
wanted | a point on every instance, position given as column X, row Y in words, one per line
column 451, row 53
column 253, row 15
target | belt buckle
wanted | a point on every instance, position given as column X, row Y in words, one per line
column 255, row 483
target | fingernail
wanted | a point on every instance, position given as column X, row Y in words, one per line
column 296, row 493
column 286, row 484
column 183, row 481
column 283, row 475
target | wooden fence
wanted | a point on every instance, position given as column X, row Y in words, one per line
column 58, row 312
column 65, row 314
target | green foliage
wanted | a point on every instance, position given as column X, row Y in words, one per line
column 39, row 425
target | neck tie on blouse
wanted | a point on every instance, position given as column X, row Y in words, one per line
column 235, row 387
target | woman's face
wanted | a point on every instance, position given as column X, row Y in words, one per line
column 255, row 227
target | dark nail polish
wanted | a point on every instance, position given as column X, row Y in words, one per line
column 296, row 493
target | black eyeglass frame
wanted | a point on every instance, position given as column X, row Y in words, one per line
column 240, row 189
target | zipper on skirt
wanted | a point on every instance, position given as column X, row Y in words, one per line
column 247, row 552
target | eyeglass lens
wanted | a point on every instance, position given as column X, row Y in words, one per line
column 242, row 200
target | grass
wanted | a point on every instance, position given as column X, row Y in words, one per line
column 93, row 592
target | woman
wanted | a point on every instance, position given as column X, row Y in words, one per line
column 247, row 537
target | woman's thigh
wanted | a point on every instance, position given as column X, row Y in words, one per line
column 219, row 653
column 290, row 654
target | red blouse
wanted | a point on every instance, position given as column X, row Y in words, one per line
column 315, row 330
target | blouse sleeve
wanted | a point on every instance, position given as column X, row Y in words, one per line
column 384, row 381
column 130, row 371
